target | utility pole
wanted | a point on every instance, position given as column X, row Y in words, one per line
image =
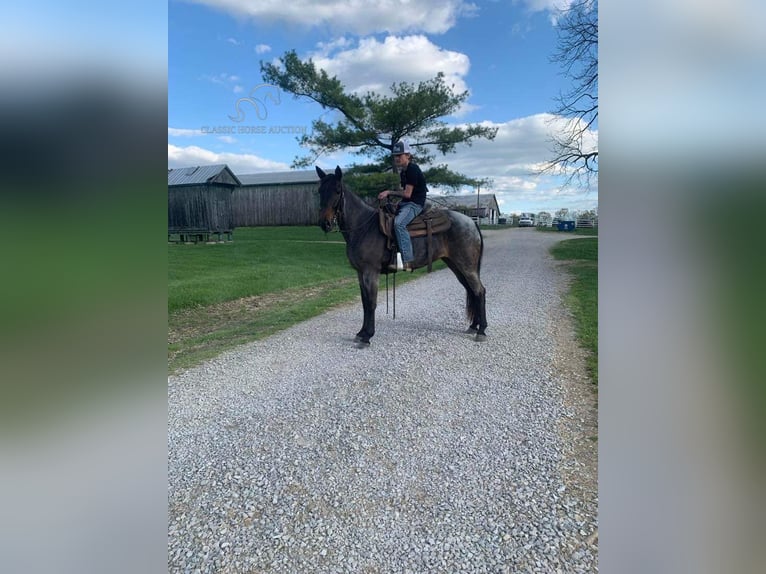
column 478, row 182
column 478, row 217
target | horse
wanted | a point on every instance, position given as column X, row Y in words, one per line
column 461, row 247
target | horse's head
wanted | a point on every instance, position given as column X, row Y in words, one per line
column 330, row 192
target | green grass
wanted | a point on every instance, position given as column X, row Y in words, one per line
column 583, row 294
column 269, row 278
column 259, row 260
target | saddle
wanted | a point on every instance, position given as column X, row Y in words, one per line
column 431, row 220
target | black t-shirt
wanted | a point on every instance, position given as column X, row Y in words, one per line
column 413, row 176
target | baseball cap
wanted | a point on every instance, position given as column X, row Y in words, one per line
column 401, row 147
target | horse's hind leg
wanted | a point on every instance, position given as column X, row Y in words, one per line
column 476, row 297
column 480, row 312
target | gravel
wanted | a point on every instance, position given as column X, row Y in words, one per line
column 426, row 452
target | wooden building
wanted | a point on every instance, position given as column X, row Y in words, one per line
column 200, row 203
column 488, row 210
column 277, row 198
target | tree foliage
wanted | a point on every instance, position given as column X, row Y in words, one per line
column 369, row 124
column 575, row 151
column 369, row 180
column 588, row 214
column 441, row 175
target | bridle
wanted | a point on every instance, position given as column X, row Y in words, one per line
column 337, row 206
column 338, row 210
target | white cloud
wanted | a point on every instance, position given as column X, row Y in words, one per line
column 520, row 144
column 335, row 44
column 373, row 65
column 239, row 163
column 223, row 78
column 546, row 5
column 512, row 160
column 233, row 41
column 354, row 16
column 183, row 132
column 262, row 49
column 554, row 8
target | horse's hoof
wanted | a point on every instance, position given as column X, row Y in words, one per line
column 471, row 331
column 480, row 337
column 362, row 344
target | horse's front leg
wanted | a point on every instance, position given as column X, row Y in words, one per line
column 368, row 284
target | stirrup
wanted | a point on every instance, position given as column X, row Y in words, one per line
column 396, row 266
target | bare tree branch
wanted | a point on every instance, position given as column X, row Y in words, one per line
column 575, row 147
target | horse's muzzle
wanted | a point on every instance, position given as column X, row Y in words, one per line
column 327, row 220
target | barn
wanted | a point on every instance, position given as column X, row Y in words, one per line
column 207, row 202
column 488, row 210
column 200, row 203
column 277, row 198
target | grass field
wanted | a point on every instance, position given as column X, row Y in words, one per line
column 259, row 260
column 583, row 294
column 267, row 279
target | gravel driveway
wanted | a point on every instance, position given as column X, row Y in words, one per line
column 426, row 452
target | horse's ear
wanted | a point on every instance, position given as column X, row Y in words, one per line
column 320, row 173
column 338, row 172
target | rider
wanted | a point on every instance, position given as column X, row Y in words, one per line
column 413, row 196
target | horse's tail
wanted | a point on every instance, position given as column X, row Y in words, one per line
column 470, row 307
column 481, row 250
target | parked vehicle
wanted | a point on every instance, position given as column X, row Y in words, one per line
column 526, row 222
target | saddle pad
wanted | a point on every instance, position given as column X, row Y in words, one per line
column 438, row 219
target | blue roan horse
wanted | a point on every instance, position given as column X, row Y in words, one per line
column 460, row 247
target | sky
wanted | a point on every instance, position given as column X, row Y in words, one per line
column 221, row 111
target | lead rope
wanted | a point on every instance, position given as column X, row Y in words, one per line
column 338, row 216
column 394, row 295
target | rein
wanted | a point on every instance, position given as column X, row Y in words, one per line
column 339, row 208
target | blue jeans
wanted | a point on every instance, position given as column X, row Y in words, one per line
column 407, row 212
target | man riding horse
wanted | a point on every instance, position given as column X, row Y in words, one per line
column 413, row 195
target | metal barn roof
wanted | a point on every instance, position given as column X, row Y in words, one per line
column 280, row 177
column 201, row 174
column 485, row 200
